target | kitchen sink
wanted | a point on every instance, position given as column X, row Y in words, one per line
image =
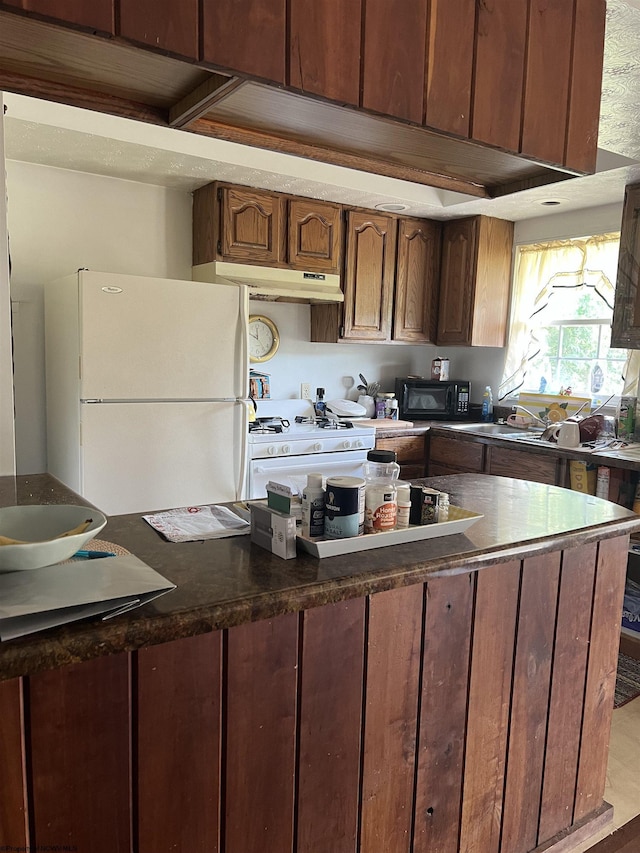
column 504, row 430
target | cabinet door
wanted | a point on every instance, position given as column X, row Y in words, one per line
column 324, row 45
column 399, row 93
column 522, row 465
column 91, row 14
column 625, row 329
column 251, row 226
column 246, row 36
column 167, row 25
column 492, row 286
column 369, row 273
column 457, row 278
column 415, row 314
column 410, row 452
column 315, row 235
column 457, row 454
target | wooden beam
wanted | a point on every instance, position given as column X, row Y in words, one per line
column 197, row 103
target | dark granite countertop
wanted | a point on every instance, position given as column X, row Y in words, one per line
column 226, row 582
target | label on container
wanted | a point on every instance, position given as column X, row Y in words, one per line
column 344, row 507
column 381, row 508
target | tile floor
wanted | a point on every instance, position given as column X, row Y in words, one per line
column 623, row 773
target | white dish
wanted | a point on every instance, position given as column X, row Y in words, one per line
column 346, row 409
column 459, row 520
column 38, row 526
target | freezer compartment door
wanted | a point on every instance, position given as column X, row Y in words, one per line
column 152, row 338
column 139, row 457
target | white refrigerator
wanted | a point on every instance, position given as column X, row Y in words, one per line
column 147, row 387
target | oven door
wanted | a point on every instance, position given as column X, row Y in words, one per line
column 292, row 470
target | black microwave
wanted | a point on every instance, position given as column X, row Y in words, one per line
column 432, row 399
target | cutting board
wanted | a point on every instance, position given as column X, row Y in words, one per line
column 383, row 423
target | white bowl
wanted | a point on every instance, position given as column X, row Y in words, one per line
column 38, row 526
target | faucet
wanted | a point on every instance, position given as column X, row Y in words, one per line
column 535, row 417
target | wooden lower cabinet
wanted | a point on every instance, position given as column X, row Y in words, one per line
column 450, row 455
column 462, row 710
column 410, row 452
column 524, row 465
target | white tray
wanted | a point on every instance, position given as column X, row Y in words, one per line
column 459, row 520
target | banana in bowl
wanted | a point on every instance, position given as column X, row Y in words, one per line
column 40, row 535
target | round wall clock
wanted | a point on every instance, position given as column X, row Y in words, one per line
column 264, row 339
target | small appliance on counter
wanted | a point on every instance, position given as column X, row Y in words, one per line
column 433, row 399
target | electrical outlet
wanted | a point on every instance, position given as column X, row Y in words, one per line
column 305, row 390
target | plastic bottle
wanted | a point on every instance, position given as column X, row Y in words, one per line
column 381, row 502
column 487, row 405
column 321, row 406
column 443, row 507
column 404, row 505
column 313, row 507
column 602, row 483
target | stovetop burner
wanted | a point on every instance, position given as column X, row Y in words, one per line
column 268, row 425
column 324, row 423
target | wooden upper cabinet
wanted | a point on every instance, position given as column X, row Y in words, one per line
column 415, row 310
column 247, row 36
column 393, row 68
column 324, row 48
column 501, row 32
column 254, row 226
column 88, row 14
column 586, row 83
column 450, row 65
column 547, row 79
column 315, row 235
column 369, row 274
column 170, row 25
column 475, row 281
column 625, row 329
column 251, row 226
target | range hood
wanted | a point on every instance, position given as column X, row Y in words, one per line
column 267, row 283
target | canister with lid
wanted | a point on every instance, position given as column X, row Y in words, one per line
column 381, row 506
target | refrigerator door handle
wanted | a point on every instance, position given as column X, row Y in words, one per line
column 241, row 490
column 244, row 340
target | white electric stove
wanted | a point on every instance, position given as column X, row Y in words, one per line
column 285, row 450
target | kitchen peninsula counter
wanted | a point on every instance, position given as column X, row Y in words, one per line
column 225, row 582
column 410, row 692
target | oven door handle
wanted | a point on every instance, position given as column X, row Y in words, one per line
column 259, row 469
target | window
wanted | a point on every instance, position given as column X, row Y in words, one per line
column 561, row 319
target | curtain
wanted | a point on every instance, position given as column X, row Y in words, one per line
column 541, row 269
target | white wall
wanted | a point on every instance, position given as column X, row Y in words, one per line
column 59, row 221
column 577, row 223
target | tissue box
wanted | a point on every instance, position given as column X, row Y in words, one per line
column 274, row 531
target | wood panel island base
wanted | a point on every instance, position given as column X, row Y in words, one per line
column 448, row 695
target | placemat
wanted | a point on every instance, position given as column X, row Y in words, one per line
column 101, row 545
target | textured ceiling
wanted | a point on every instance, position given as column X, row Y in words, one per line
column 68, row 138
column 619, row 129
